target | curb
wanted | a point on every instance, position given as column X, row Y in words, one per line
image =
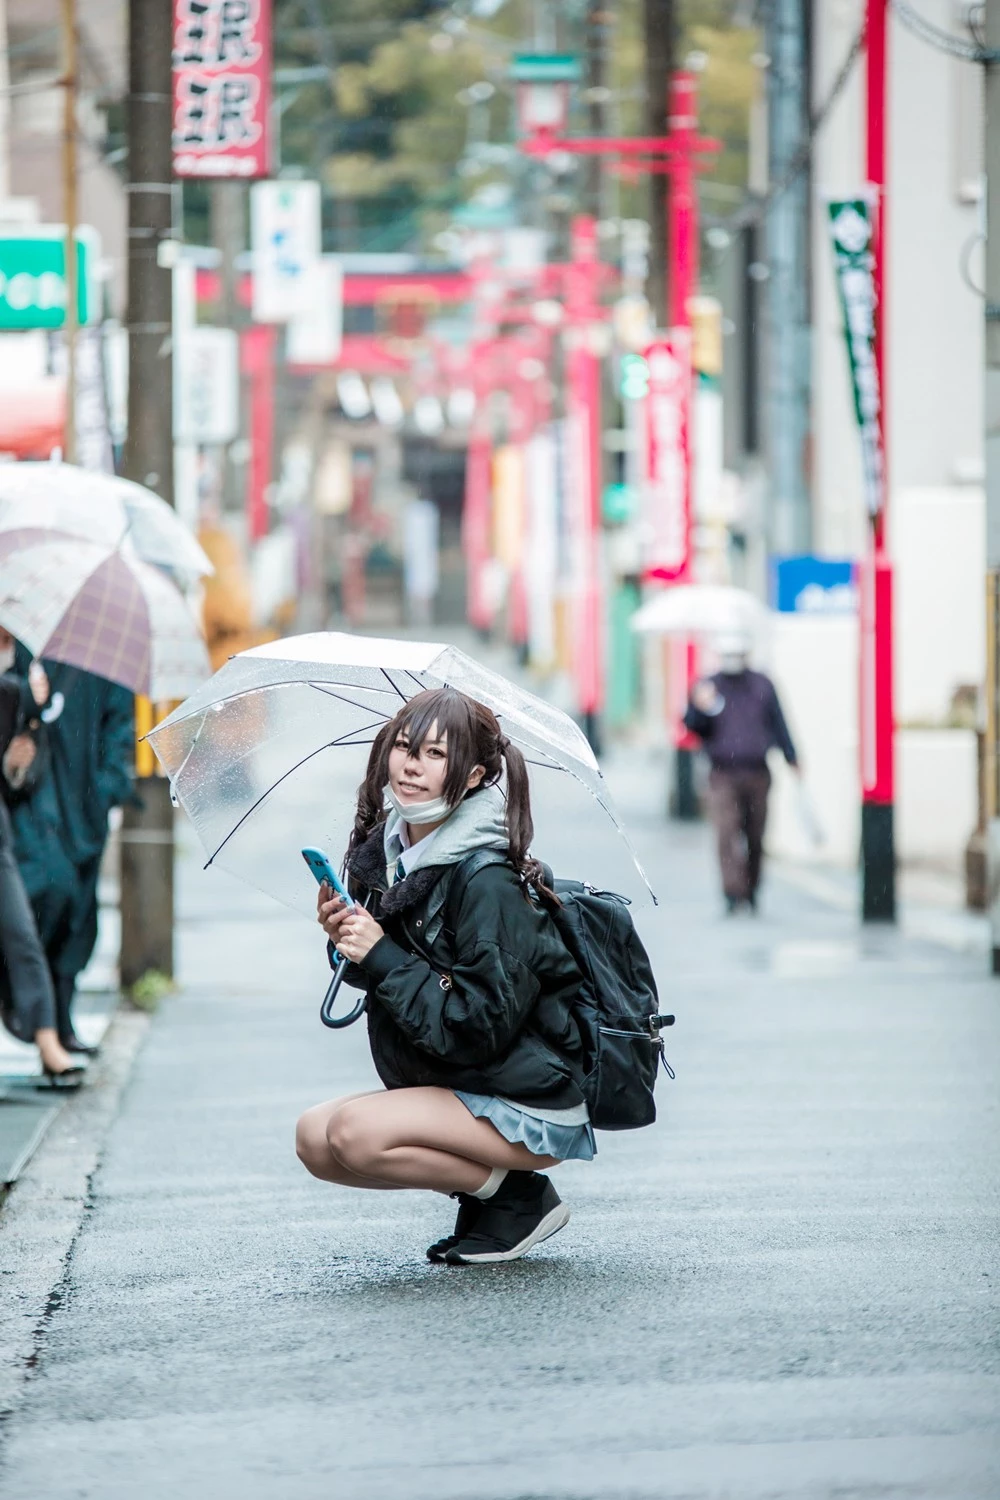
column 42, row 1215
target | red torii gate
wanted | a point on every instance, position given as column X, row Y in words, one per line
column 681, row 155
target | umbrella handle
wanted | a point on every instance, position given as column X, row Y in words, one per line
column 337, row 1023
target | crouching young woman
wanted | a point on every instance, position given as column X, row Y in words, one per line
column 469, row 989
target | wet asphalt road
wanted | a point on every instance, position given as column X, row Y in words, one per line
column 786, row 1288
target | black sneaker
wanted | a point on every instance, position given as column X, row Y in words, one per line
column 469, row 1209
column 525, row 1210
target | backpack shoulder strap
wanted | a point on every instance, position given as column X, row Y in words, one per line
column 460, row 876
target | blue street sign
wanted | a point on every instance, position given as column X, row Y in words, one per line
column 813, row 586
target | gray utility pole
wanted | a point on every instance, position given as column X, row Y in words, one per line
column 660, row 29
column 147, row 876
column 787, row 345
column 992, row 454
column 599, row 19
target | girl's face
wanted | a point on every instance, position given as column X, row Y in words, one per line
column 419, row 777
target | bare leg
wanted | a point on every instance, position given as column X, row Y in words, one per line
column 410, row 1138
column 52, row 1052
column 313, row 1149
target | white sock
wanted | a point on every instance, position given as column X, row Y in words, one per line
column 491, row 1184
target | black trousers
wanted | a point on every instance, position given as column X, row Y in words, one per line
column 27, row 1001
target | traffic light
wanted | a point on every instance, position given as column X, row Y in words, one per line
column 633, row 377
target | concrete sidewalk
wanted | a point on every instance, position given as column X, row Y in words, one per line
column 786, row 1288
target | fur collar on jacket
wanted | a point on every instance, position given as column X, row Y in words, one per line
column 367, row 866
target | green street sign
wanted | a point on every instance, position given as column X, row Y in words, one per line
column 33, row 277
column 545, row 67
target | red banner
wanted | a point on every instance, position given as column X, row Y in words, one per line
column 222, row 88
column 667, row 491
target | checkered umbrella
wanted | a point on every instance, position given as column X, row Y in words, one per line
column 267, row 756
column 57, row 498
column 100, row 608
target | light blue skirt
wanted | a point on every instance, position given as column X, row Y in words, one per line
column 542, row 1137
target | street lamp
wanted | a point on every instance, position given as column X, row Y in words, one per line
column 543, row 83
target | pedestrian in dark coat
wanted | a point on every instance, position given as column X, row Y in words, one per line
column 737, row 716
column 61, row 831
column 27, row 999
column 468, row 985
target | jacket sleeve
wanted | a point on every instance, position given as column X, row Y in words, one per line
column 782, row 738
column 493, row 990
column 117, row 748
column 699, row 723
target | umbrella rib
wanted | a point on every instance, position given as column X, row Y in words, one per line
column 330, row 745
column 393, row 685
column 350, row 701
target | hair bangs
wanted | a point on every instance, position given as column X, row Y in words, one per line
column 451, row 713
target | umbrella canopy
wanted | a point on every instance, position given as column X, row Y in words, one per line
column 266, row 758
column 699, row 609
column 60, row 498
column 100, row 609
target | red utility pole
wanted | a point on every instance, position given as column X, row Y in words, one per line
column 681, row 154
column 682, row 284
column 878, row 861
column 583, row 432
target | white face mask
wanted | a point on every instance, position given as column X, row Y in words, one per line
column 419, row 813
column 732, row 663
column 6, row 658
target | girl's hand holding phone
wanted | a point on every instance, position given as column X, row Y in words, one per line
column 358, row 932
column 331, row 909
column 352, row 930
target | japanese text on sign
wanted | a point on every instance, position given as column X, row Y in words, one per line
column 222, row 67
column 851, row 230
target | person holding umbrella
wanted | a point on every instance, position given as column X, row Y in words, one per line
column 737, row 716
column 468, row 984
column 27, row 1000
column 60, row 828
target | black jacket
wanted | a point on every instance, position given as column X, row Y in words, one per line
column 484, row 1007
column 746, row 726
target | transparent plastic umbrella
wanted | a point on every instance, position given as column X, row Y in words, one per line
column 267, row 756
column 39, row 500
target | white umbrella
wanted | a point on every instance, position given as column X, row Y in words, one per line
column 102, row 609
column 266, row 759
column 103, row 508
column 699, row 609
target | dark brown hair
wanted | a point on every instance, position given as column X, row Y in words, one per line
column 474, row 739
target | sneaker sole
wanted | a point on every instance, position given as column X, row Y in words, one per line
column 557, row 1218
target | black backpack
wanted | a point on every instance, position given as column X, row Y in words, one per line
column 616, row 1007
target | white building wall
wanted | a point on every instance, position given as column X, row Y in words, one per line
column 934, row 421
column 934, row 319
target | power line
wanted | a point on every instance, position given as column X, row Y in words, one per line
column 943, row 41
column 755, row 211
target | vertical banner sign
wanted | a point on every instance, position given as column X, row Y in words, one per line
column 851, row 231
column 222, row 88
column 667, row 487
column 285, row 241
